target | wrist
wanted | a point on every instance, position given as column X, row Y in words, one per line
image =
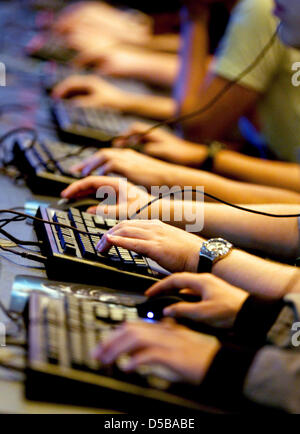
column 192, row 261
column 127, row 102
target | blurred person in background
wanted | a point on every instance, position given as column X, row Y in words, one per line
column 149, row 58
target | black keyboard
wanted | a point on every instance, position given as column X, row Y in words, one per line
column 73, row 257
column 46, row 165
column 62, row 333
column 50, row 47
column 99, row 126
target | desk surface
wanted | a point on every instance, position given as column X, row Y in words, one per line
column 23, row 78
column 23, row 87
column 11, row 385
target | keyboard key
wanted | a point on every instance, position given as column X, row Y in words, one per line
column 101, row 310
column 99, row 221
column 86, row 247
column 116, row 313
column 110, row 223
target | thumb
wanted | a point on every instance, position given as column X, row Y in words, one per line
column 92, row 209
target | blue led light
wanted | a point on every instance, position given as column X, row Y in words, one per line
column 150, row 315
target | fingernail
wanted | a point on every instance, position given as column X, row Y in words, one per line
column 92, row 210
column 100, row 245
column 167, row 312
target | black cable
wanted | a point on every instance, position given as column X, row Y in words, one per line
column 63, row 225
column 39, row 258
column 7, row 221
column 30, row 256
column 16, row 131
column 213, row 101
column 34, row 140
column 19, row 130
column 16, row 240
column 194, row 190
column 9, row 315
column 32, row 267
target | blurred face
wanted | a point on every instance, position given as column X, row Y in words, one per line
column 288, row 11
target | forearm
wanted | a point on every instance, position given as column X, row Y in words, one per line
column 155, row 107
column 265, row 279
column 228, row 190
column 157, row 68
column 255, row 170
column 166, row 42
column 278, row 237
column 194, row 57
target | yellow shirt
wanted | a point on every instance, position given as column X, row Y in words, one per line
column 251, row 27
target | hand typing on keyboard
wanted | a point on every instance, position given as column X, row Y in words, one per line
column 173, row 248
column 138, row 168
column 187, row 353
column 76, row 244
column 165, row 145
column 91, row 91
column 129, row 197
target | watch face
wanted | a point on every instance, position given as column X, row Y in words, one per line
column 217, row 247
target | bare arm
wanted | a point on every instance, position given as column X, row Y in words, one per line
column 147, row 171
column 255, row 275
column 157, row 68
column 278, row 237
column 194, row 54
column 133, row 62
column 235, row 103
column 230, row 164
column 255, row 170
column 157, row 107
column 234, row 191
column 196, row 88
column 169, row 42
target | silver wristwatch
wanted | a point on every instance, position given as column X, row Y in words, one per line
column 212, row 251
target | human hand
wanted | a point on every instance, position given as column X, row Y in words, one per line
column 91, row 91
column 114, row 60
column 138, row 168
column 104, row 18
column 124, row 199
column 220, row 304
column 89, row 40
column 162, row 144
column 172, row 248
column 187, row 353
